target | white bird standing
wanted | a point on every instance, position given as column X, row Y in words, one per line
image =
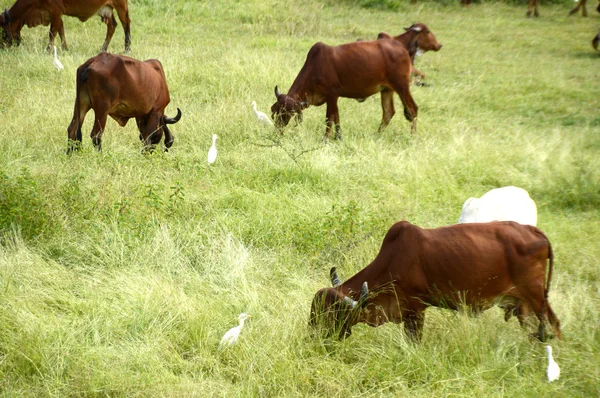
column 212, row 152
column 261, row 116
column 57, row 64
column 232, row 334
column 553, row 371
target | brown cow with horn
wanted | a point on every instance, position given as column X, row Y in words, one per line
column 123, row 88
column 354, row 70
column 417, row 39
column 472, row 265
column 49, row 12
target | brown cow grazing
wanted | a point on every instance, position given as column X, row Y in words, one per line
column 417, row 39
column 581, row 4
column 49, row 12
column 533, row 5
column 472, row 265
column 123, row 88
column 355, row 70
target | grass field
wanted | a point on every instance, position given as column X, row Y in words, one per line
column 120, row 272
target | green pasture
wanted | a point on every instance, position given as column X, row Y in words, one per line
column 120, row 272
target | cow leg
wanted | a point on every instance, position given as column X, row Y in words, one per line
column 530, row 7
column 168, row 137
column 583, row 9
column 123, row 13
column 413, row 324
column 141, row 122
column 410, row 107
column 537, row 5
column 153, row 132
column 553, row 319
column 331, row 116
column 56, row 26
column 387, row 106
column 576, row 8
column 534, row 298
column 99, row 124
column 111, row 24
column 74, row 129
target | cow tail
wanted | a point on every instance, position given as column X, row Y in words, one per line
column 551, row 266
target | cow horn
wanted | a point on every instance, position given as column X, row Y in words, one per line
column 173, row 120
column 335, row 279
column 276, row 92
column 364, row 294
column 6, row 16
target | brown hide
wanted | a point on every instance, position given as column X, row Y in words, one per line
column 123, row 88
column 32, row 13
column 472, row 265
column 354, row 70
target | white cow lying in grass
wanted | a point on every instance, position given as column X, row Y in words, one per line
column 500, row 204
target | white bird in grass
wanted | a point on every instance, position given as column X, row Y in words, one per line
column 57, row 64
column 232, row 334
column 261, row 116
column 212, row 152
column 553, row 371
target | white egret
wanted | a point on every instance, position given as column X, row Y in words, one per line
column 553, row 371
column 232, row 334
column 57, row 64
column 212, row 152
column 261, row 116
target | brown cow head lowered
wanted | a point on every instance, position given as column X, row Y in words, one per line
column 334, row 311
column 286, row 107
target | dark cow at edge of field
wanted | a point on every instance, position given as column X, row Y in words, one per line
column 462, row 2
column 123, row 88
column 472, row 265
column 354, row 70
column 49, row 12
column 595, row 41
column 582, row 4
column 417, row 39
column 533, row 5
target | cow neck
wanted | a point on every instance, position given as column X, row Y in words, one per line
column 407, row 38
column 297, row 92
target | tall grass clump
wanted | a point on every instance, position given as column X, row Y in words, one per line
column 120, row 272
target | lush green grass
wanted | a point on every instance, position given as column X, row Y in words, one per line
column 120, row 272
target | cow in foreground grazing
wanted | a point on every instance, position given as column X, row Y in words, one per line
column 581, row 4
column 123, row 88
column 500, row 204
column 417, row 39
column 49, row 12
column 472, row 265
column 355, row 70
